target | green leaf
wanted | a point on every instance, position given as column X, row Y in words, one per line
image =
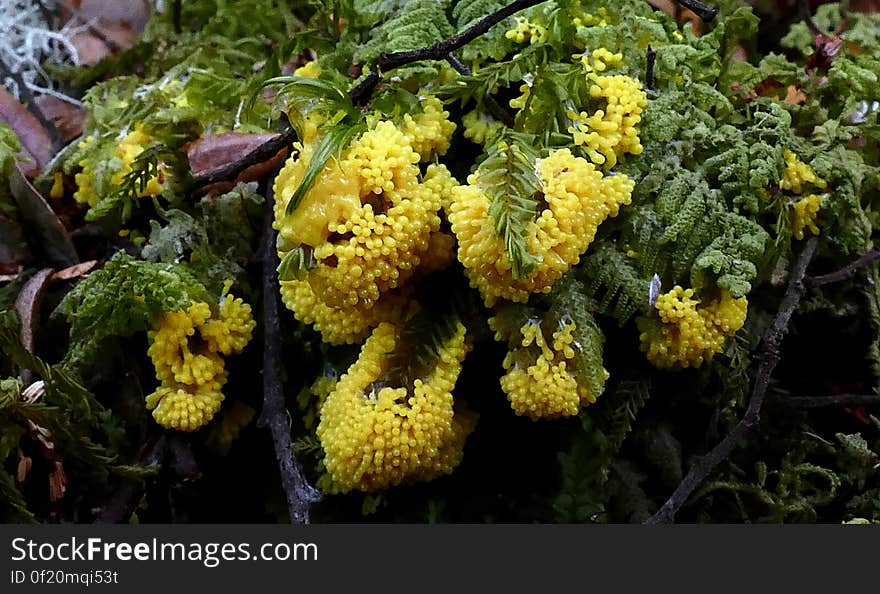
column 508, row 176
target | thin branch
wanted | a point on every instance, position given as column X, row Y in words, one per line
column 704, row 11
column 650, row 80
column 845, row 272
column 804, row 14
column 769, row 357
column 437, row 51
column 831, row 400
column 300, row 495
column 260, row 154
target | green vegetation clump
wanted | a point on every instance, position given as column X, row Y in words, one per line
column 530, row 280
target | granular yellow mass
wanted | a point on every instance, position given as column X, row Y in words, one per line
column 186, row 349
column 376, row 436
column 610, row 133
column 688, row 331
column 574, row 200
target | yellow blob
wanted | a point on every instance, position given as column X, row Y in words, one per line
column 186, row 349
column 429, row 132
column 376, row 436
column 479, row 126
column 805, row 214
column 798, row 174
column 688, row 331
column 526, row 30
column 609, row 134
column 576, row 199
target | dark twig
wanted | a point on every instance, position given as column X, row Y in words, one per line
column 458, row 65
column 300, row 495
column 361, row 92
column 704, row 11
column 806, row 16
column 845, row 272
column 437, row 51
column 262, row 153
column 769, row 357
column 650, row 81
column 831, row 400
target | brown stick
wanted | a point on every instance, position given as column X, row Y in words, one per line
column 831, row 400
column 300, row 494
column 845, row 272
column 768, row 360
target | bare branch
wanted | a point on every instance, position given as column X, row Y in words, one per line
column 845, row 272
column 300, row 495
column 831, row 400
column 769, row 357
column 704, row 11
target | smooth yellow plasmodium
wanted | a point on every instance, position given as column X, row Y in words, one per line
column 688, row 331
column 376, row 436
column 575, row 199
column 369, row 220
column 804, row 212
column 186, row 348
column 545, row 388
column 610, row 133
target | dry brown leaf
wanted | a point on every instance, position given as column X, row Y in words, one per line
column 75, row 271
column 35, row 140
column 25, row 463
column 794, row 95
column 37, row 217
column 210, row 153
column 213, row 152
column 67, row 118
column 57, row 482
column 27, row 305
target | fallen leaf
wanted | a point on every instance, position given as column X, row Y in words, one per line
column 215, row 151
column 13, row 247
column 68, row 119
column 117, row 36
column 35, row 140
column 210, row 153
column 49, row 237
column 75, row 271
column 794, row 95
column 27, row 305
column 133, row 13
column 90, row 49
column 25, row 463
